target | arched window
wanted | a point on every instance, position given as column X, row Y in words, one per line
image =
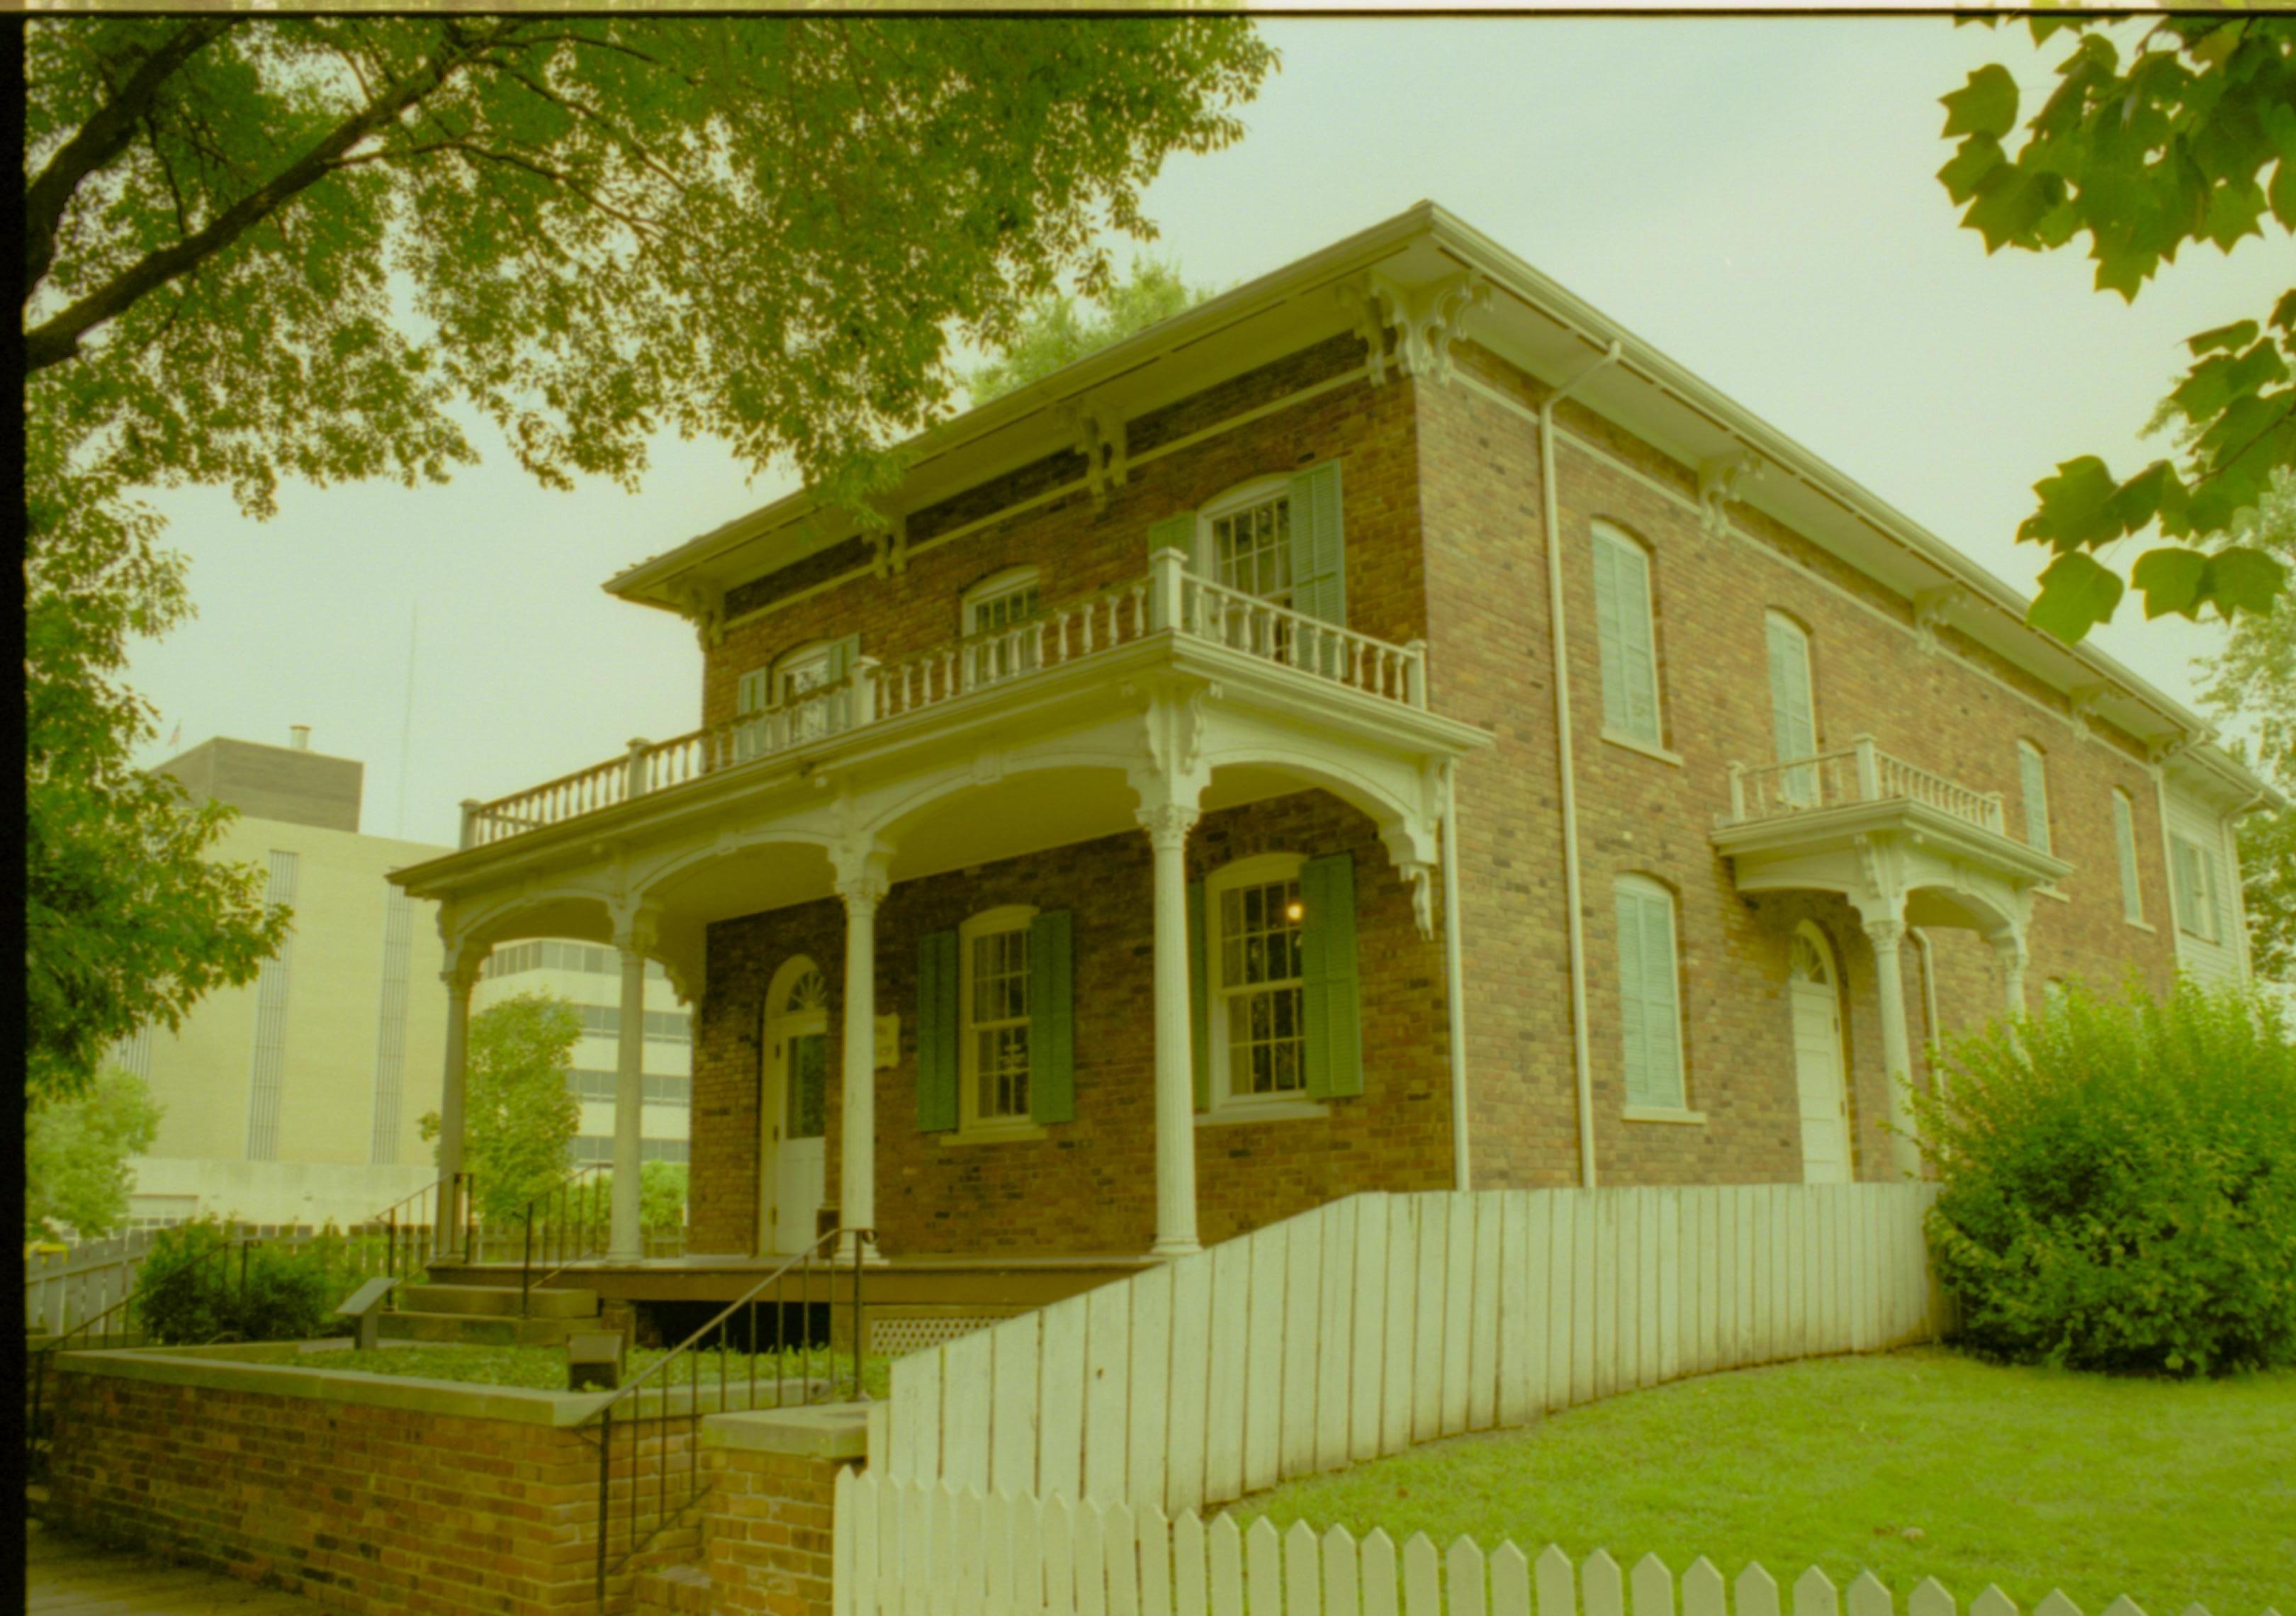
column 1793, row 705
column 996, row 612
column 2033, row 781
column 1649, row 996
column 2124, row 836
column 1625, row 626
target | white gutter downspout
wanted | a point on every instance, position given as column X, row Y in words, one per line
column 1576, row 924
column 1451, row 969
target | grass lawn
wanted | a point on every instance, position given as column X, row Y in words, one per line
column 2172, row 1493
column 544, row 1368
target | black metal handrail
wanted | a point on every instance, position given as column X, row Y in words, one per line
column 662, row 1375
column 438, row 1209
column 570, row 1222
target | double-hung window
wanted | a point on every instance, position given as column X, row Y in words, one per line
column 999, row 634
column 1629, row 647
column 1793, row 707
column 1258, row 1013
column 2124, row 836
column 994, row 993
column 2033, row 784
column 1649, row 1001
column 2193, row 871
column 1249, row 550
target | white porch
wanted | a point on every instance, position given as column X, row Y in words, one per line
column 1903, row 846
column 1139, row 708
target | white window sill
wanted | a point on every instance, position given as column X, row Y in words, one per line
column 1663, row 1114
column 2140, row 925
column 1262, row 1110
column 2056, row 892
column 995, row 1133
column 1644, row 747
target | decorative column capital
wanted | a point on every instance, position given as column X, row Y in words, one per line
column 2010, row 947
column 638, row 928
column 1885, row 934
column 1168, row 824
column 461, row 973
column 861, row 872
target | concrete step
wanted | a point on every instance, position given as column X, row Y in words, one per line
column 479, row 1330
column 673, row 1590
column 495, row 1301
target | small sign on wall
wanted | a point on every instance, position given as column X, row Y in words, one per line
column 889, row 1041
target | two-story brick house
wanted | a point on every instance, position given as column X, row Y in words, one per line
column 1385, row 727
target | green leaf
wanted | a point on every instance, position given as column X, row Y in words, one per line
column 1985, row 105
column 2078, row 593
column 2135, row 502
column 2240, row 333
column 2172, row 579
column 2073, row 505
column 1978, row 157
column 2245, row 580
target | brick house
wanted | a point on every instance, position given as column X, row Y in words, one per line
column 1384, row 728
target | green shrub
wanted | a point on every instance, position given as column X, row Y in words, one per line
column 2119, row 1183
column 199, row 1286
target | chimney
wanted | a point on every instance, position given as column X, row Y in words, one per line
column 299, row 736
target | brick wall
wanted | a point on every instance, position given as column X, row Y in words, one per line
column 1089, row 1186
column 380, row 1506
column 1959, row 714
column 770, row 1534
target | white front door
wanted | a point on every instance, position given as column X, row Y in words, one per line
column 1817, row 1002
column 792, row 1119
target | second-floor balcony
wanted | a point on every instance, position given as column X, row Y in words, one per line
column 968, row 676
column 1859, row 772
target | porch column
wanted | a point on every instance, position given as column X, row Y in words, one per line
column 1168, row 824
column 1897, row 1047
column 626, row 1241
column 862, row 883
column 2009, row 947
column 461, row 973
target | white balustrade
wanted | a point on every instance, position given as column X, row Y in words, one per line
column 874, row 692
column 1860, row 773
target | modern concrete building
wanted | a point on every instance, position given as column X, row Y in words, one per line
column 296, row 1097
column 299, row 1098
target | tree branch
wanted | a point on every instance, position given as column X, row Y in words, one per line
column 101, row 138
column 58, row 339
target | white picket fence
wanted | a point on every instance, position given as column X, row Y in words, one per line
column 1367, row 1324
column 910, row 1549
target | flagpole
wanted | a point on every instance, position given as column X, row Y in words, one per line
column 406, row 724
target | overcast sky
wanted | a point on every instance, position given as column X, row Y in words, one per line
column 1755, row 197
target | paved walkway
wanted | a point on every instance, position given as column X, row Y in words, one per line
column 66, row 1576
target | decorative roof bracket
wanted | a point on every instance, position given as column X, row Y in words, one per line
column 1930, row 607
column 1100, row 440
column 892, row 544
column 1721, row 481
column 2082, row 703
column 1426, row 320
column 702, row 601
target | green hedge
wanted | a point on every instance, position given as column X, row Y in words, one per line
column 2119, row 1183
column 200, row 1284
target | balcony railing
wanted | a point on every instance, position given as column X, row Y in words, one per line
column 1167, row 599
column 1858, row 773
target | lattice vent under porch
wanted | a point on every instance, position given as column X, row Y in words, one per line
column 896, row 1337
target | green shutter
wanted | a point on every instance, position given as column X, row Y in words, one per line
column 750, row 692
column 1051, row 1020
column 937, row 1032
column 1200, row 998
column 1319, row 573
column 1176, row 533
column 1327, row 970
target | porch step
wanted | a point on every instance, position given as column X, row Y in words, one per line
column 478, row 1329
column 499, row 1302
column 673, row 1590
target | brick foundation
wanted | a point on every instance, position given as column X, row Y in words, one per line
column 770, row 1528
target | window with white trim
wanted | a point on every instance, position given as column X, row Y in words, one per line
column 801, row 679
column 1257, row 1016
column 1625, row 628
column 2124, row 836
column 1793, row 707
column 1649, row 996
column 2033, row 786
column 1250, row 546
column 993, row 610
column 993, row 995
column 2192, row 870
